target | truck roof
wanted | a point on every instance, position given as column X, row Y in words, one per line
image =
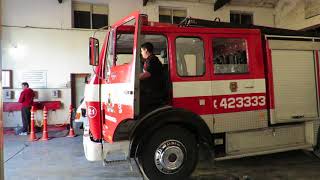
column 192, row 25
column 193, row 22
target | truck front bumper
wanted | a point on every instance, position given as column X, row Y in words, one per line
column 95, row 151
column 92, row 150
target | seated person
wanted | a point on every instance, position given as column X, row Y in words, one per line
column 151, row 80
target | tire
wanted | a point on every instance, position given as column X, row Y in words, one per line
column 171, row 153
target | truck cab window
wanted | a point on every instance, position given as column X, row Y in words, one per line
column 159, row 43
column 190, row 56
column 124, row 48
column 230, row 56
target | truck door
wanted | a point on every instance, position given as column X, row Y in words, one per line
column 118, row 89
column 191, row 75
column 238, row 82
column 293, row 80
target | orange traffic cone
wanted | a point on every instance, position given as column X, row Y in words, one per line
column 45, row 125
column 32, row 136
column 71, row 131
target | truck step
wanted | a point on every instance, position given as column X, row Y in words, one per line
column 116, row 156
column 116, row 163
column 126, row 165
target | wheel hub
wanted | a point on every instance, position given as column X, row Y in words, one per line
column 169, row 156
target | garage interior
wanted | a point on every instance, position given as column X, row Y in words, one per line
column 45, row 43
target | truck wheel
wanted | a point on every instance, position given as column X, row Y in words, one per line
column 171, row 153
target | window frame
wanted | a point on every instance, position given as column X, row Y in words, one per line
column 115, row 46
column 251, row 55
column 110, row 40
column 247, row 54
column 9, row 79
column 240, row 13
column 204, row 56
column 158, row 34
column 171, row 9
column 91, row 13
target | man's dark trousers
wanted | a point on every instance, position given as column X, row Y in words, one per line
column 26, row 115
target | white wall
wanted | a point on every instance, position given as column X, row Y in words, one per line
column 262, row 16
column 49, row 13
column 290, row 14
column 60, row 116
column 40, row 13
column 59, row 52
column 1, row 122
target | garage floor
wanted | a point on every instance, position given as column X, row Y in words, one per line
column 63, row 158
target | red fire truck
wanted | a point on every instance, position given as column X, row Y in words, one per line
column 231, row 91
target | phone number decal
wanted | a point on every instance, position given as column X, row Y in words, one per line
column 243, row 102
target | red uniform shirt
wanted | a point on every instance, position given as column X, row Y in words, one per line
column 26, row 97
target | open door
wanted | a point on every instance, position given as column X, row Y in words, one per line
column 78, row 82
column 119, row 98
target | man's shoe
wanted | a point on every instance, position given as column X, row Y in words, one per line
column 23, row 133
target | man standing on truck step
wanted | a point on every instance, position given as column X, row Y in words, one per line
column 26, row 98
column 151, row 80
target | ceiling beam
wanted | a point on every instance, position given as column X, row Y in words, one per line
column 145, row 2
column 220, row 3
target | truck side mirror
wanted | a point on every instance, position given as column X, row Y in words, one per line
column 93, row 51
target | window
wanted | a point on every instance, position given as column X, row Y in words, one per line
column 89, row 16
column 190, row 56
column 173, row 16
column 124, row 48
column 230, row 56
column 110, row 51
column 241, row 18
column 159, row 43
column 6, row 79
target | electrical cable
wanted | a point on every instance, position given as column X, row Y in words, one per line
column 25, row 145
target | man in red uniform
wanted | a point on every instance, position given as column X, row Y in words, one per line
column 26, row 98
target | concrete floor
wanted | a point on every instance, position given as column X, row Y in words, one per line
column 63, row 158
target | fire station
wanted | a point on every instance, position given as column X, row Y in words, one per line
column 160, row 89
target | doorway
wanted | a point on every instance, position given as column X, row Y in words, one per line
column 78, row 82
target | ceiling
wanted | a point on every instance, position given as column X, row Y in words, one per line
column 255, row 3
column 250, row 3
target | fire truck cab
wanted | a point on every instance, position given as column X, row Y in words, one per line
column 232, row 91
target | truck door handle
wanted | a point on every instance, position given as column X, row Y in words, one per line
column 249, row 87
column 128, row 92
column 298, row 117
column 202, row 102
